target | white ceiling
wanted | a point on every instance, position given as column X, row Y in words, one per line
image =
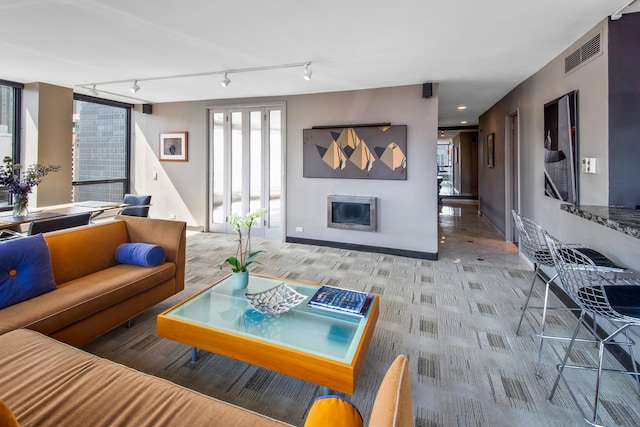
column 476, row 50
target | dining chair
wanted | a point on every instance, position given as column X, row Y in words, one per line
column 139, row 205
column 534, row 246
column 58, row 223
column 616, row 299
column 10, row 232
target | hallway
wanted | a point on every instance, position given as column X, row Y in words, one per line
column 468, row 238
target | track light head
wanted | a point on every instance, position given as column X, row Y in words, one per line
column 307, row 71
column 135, row 87
column 225, row 82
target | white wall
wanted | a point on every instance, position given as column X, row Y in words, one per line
column 407, row 210
column 180, row 189
column 529, row 98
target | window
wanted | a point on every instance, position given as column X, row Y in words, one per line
column 101, row 149
column 10, row 96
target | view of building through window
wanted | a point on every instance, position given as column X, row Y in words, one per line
column 7, row 120
column 100, row 151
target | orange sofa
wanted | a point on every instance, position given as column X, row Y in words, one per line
column 93, row 292
column 48, row 383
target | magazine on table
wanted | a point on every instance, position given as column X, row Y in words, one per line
column 341, row 300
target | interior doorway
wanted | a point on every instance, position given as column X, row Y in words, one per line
column 512, row 175
column 457, row 158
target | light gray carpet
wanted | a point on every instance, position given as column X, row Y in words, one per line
column 454, row 320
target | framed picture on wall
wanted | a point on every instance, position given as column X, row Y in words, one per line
column 561, row 148
column 491, row 149
column 174, row 147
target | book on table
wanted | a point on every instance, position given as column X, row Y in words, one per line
column 341, row 300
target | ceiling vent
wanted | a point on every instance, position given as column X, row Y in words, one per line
column 589, row 50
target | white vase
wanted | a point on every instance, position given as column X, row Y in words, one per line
column 240, row 280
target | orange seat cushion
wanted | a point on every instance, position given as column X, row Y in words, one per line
column 333, row 411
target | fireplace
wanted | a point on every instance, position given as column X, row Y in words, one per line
column 351, row 212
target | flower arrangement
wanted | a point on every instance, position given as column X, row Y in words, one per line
column 20, row 185
column 244, row 257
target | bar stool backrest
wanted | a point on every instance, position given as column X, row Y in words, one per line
column 532, row 241
column 581, row 279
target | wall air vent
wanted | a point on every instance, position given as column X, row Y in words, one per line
column 587, row 51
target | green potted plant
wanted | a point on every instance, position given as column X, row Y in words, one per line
column 244, row 256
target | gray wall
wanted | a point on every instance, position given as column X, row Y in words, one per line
column 591, row 81
column 407, row 210
column 624, row 109
column 466, row 170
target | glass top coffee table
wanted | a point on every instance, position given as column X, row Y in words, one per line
column 314, row 345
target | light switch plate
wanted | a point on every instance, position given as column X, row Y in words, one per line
column 589, row 164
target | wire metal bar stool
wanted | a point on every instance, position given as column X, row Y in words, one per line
column 534, row 246
column 616, row 299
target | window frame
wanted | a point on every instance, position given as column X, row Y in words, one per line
column 17, row 126
column 128, row 108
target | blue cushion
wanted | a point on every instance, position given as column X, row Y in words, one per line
column 25, row 269
column 143, row 254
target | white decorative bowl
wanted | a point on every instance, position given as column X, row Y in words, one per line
column 276, row 300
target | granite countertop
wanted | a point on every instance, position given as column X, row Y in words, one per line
column 624, row 220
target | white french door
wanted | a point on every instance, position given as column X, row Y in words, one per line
column 247, row 165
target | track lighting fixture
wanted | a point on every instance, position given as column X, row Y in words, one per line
column 225, row 82
column 307, row 71
column 91, row 87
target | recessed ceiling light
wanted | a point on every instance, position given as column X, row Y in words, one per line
column 463, row 122
column 462, row 107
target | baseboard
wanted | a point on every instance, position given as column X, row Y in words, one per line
column 365, row 248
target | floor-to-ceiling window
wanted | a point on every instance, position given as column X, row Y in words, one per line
column 10, row 96
column 247, row 147
column 101, row 149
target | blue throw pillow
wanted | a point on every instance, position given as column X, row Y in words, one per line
column 25, row 269
column 143, row 254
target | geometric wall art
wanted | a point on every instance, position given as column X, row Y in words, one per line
column 561, row 148
column 366, row 152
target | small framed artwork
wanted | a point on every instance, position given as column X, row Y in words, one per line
column 174, row 147
column 491, row 149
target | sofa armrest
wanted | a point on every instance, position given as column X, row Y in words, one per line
column 7, row 419
column 393, row 407
column 333, row 411
column 171, row 235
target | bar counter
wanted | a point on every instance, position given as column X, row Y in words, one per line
column 624, row 220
